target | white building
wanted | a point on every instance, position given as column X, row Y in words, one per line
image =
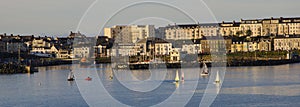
column 191, row 31
column 163, row 48
column 125, row 49
column 82, row 51
column 286, row 43
column 45, row 51
column 131, row 33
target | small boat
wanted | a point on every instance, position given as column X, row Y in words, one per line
column 71, row 76
column 84, row 61
column 205, row 71
column 122, row 66
column 217, row 78
column 88, row 79
column 176, row 77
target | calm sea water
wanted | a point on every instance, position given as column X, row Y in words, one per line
column 242, row 86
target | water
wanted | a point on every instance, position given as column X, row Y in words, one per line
column 243, row 86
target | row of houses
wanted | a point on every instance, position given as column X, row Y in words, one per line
column 250, row 27
column 150, row 47
column 57, row 47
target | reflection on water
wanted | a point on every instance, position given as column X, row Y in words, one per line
column 242, row 86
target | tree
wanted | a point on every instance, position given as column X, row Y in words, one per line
column 249, row 32
column 238, row 33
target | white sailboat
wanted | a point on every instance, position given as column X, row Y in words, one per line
column 71, row 76
column 176, row 77
column 217, row 78
column 205, row 70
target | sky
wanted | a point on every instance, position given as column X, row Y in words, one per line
column 59, row 17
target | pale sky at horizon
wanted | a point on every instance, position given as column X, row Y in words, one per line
column 58, row 18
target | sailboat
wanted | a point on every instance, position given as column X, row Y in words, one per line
column 205, row 71
column 176, row 77
column 217, row 78
column 71, row 76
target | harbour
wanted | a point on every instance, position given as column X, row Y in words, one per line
column 242, row 86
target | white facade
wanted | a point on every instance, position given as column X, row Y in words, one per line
column 84, row 51
column 130, row 34
column 45, row 52
column 40, row 43
column 193, row 31
column 125, row 50
column 163, row 48
column 286, row 43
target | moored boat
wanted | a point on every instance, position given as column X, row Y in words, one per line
column 205, row 71
column 84, row 61
column 71, row 76
column 88, row 79
column 176, row 77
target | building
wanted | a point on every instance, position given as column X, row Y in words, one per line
column 209, row 29
column 41, row 42
column 191, row 31
column 286, row 43
column 289, row 26
column 81, row 51
column 237, row 46
column 265, row 45
column 162, row 48
column 2, row 46
column 182, row 32
column 250, row 46
column 175, row 55
column 229, row 28
column 251, row 28
column 125, row 49
column 45, row 51
column 130, row 34
column 212, row 44
column 100, row 51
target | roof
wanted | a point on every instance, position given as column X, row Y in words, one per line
column 215, row 38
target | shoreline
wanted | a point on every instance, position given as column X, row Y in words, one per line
column 233, row 63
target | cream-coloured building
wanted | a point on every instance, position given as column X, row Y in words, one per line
column 175, row 55
column 125, row 49
column 229, row 28
column 237, row 46
column 286, row 43
column 130, row 33
column 270, row 26
column 265, row 45
column 191, row 31
column 255, row 26
column 209, row 29
column 182, row 32
column 289, row 26
column 250, row 46
column 82, row 51
column 163, row 48
column 41, row 42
